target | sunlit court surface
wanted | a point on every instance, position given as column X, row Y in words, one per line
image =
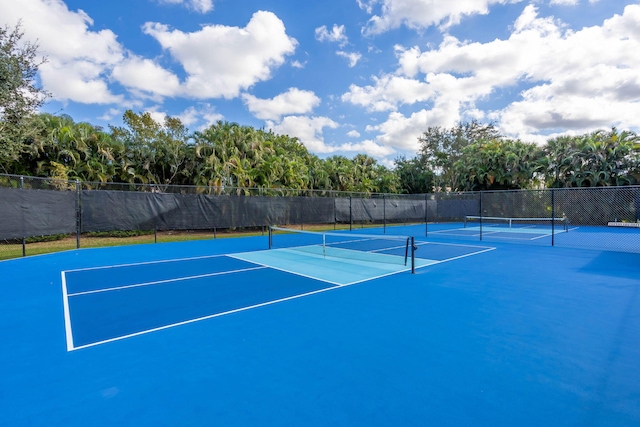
column 367, row 328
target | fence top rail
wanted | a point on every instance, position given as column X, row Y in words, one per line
column 267, row 191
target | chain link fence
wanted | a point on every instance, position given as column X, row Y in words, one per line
column 605, row 218
column 601, row 218
column 74, row 214
column 41, row 215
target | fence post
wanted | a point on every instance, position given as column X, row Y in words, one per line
column 335, row 213
column 426, row 215
column 553, row 216
column 384, row 215
column 78, row 214
column 480, row 215
column 24, row 238
column 350, row 215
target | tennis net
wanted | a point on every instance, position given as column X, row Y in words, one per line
column 518, row 223
column 373, row 248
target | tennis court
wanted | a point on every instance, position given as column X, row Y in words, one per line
column 294, row 328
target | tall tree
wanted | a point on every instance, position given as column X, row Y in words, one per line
column 159, row 152
column 557, row 163
column 415, row 177
column 498, row 165
column 441, row 148
column 595, row 159
column 20, row 97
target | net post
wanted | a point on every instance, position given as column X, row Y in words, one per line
column 324, row 245
column 406, row 250
column 413, row 255
column 270, row 238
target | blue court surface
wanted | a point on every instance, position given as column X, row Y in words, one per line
column 229, row 333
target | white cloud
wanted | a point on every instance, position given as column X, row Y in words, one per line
column 203, row 115
column 201, row 6
column 157, row 116
column 367, row 5
column 110, row 114
column 420, row 14
column 565, row 2
column 353, row 134
column 336, row 35
column 573, row 80
column 352, row 57
column 388, row 92
column 589, row 79
column 145, row 75
column 221, row 61
column 79, row 81
column 402, row 132
column 79, row 59
column 307, row 129
column 82, row 64
column 293, row 101
column 367, row 147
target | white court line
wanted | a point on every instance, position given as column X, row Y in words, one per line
column 494, row 233
column 67, row 316
column 158, row 282
column 145, row 263
column 70, row 346
column 211, row 316
column 288, row 271
column 434, row 262
column 445, row 230
column 467, row 255
column 385, row 249
column 389, row 274
column 554, row 233
column 422, row 242
column 336, row 244
column 542, row 236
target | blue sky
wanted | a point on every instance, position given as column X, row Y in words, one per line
column 344, row 76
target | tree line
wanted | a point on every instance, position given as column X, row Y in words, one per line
column 467, row 157
column 225, row 154
column 474, row 156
